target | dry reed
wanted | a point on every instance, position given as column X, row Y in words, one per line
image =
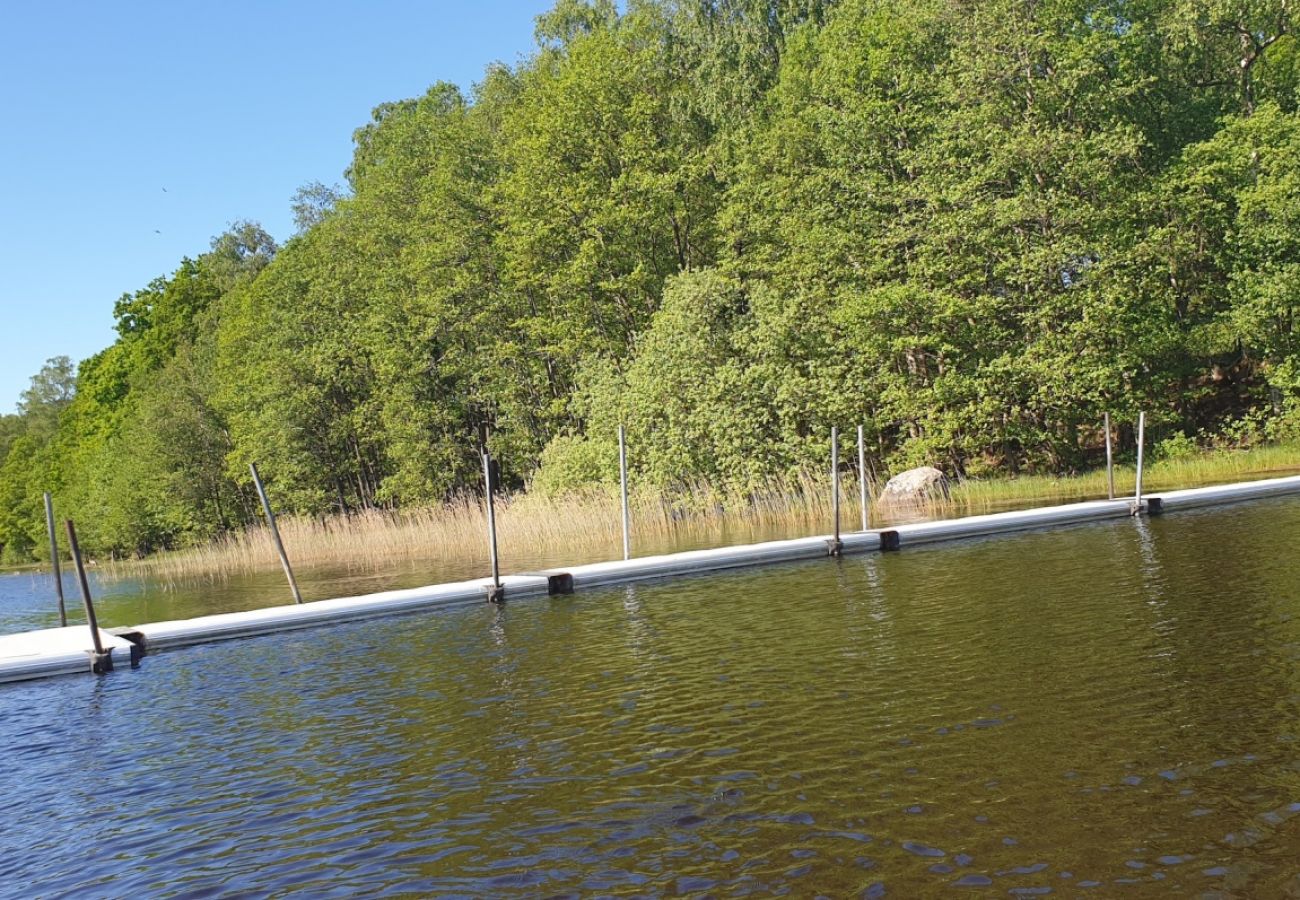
column 587, row 525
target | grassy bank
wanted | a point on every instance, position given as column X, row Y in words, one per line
column 588, row 525
column 1197, row 470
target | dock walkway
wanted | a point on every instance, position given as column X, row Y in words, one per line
column 57, row 651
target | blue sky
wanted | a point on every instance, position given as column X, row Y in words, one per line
column 135, row 132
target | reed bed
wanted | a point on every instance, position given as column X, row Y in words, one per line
column 587, row 525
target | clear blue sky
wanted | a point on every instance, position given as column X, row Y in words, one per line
column 229, row 107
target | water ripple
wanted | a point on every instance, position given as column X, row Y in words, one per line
column 1079, row 711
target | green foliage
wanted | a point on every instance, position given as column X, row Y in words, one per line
column 727, row 225
column 570, row 462
column 11, row 428
column 312, row 203
column 1177, row 446
column 695, row 401
column 51, row 391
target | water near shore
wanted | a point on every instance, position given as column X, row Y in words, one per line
column 28, row 600
column 1110, row 709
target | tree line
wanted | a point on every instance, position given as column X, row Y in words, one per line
column 728, row 224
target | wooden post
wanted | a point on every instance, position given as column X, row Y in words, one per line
column 1137, row 493
column 275, row 533
column 834, row 546
column 622, row 477
column 495, row 592
column 1110, row 464
column 54, row 559
column 101, row 661
column 862, row 477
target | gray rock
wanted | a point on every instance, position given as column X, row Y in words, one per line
column 915, row 486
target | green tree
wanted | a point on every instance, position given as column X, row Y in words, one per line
column 50, row 392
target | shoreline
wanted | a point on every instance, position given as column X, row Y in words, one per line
column 588, row 524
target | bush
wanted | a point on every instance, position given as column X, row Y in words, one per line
column 570, row 462
column 1178, row 446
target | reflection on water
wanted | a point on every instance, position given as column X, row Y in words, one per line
column 1111, row 709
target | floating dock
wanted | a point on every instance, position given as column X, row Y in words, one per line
column 58, row 651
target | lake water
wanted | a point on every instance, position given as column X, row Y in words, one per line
column 28, row 600
column 1106, row 710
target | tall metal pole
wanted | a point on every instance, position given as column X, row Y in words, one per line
column 1110, row 464
column 100, row 661
column 495, row 592
column 835, row 488
column 275, row 533
column 1137, row 494
column 622, row 477
column 54, row 559
column 862, row 475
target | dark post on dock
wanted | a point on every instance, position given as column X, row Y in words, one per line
column 495, row 592
column 101, row 660
column 54, row 559
column 275, row 533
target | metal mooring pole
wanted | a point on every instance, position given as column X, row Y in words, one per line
column 1137, row 493
column 101, row 660
column 622, row 478
column 862, row 476
column 833, row 546
column 54, row 559
column 1110, row 464
column 495, row 592
column 275, row 533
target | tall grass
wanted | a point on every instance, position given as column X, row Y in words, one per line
column 584, row 525
column 1215, row 467
column 588, row 525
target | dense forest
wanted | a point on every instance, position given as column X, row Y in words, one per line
column 972, row 225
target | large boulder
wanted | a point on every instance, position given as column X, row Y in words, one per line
column 915, row 486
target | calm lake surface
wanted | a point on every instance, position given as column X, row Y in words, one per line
column 1103, row 710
